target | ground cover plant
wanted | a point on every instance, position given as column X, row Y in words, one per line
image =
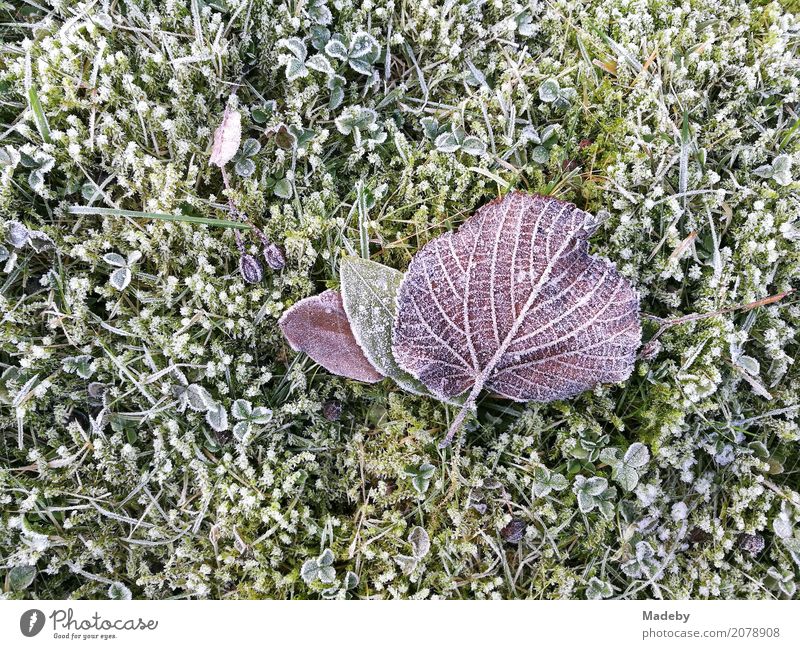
column 161, row 439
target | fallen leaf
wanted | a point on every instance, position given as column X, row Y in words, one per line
column 369, row 295
column 513, row 303
column 318, row 326
column 227, row 138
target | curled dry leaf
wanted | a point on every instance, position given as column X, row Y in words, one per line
column 227, row 138
column 319, row 327
column 513, row 303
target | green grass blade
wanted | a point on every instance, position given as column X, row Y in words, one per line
column 38, row 112
column 200, row 220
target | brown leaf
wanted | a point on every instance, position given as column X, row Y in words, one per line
column 512, row 302
column 319, row 327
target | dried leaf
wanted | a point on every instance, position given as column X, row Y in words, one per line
column 319, row 327
column 513, row 303
column 227, row 138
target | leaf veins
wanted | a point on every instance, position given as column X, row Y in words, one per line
column 513, row 303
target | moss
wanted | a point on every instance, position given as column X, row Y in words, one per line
column 112, row 474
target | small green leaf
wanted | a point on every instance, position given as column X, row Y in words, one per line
column 118, row 590
column 245, row 167
column 369, row 293
column 548, row 91
column 250, row 147
column 20, row 577
column 283, row 189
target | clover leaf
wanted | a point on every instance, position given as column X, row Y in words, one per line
column 248, row 417
column 360, row 52
column 121, row 277
column 625, row 469
column 598, row 589
column 421, row 476
column 544, row 482
column 595, row 493
column 362, row 124
column 319, row 569
column 456, row 139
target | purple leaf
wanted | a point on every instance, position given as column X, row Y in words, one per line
column 513, row 303
column 319, row 327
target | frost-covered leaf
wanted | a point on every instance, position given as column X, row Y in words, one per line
column 245, row 167
column 473, row 146
column 336, row 49
column 283, row 189
column 336, row 86
column 782, row 527
column 545, row 481
column 320, row 13
column 320, row 64
column 782, row 170
column 447, row 142
column 120, row 278
column 407, row 563
column 350, row 580
column 295, row 69
column 420, row 541
column 198, row 398
column 261, row 415
column 320, row 35
column 430, row 125
column 369, row 294
column 637, row 455
column 227, row 138
column 363, row 44
column 296, row 47
column 326, row 558
column 597, row 589
column 17, row 234
column 549, row 90
column 360, row 66
column 115, row 259
column 20, row 577
column 512, row 302
column 80, row 365
column 241, row 409
column 39, row 240
column 319, row 327
column 217, row 418
column 626, row 476
column 540, row 154
column 309, row 571
column 250, row 147
column 240, row 429
column 595, row 486
column 764, row 171
column 118, row 590
column 421, row 476
column 748, row 364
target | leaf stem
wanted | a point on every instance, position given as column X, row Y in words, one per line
column 668, row 323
